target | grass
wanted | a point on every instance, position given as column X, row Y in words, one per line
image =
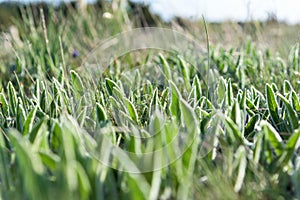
column 236, row 138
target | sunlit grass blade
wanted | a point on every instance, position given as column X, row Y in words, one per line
column 185, row 73
column 4, row 105
column 166, row 67
column 273, row 106
column 190, row 155
column 273, row 137
column 28, row 124
column 12, row 96
column 77, row 83
column 241, row 156
column 131, row 109
column 101, row 114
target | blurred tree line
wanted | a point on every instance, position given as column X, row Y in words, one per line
column 138, row 13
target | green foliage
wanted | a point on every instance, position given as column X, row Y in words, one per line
column 240, row 134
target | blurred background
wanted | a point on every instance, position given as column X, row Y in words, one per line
column 213, row 10
column 273, row 24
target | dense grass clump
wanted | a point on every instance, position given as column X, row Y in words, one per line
column 56, row 123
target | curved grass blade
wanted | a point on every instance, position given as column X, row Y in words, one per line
column 77, row 83
column 28, row 124
column 273, row 106
column 131, row 109
column 166, row 67
column 30, row 165
column 292, row 115
column 4, row 105
column 12, row 97
column 272, row 136
column 241, row 156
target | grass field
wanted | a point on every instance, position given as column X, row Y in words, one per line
column 221, row 125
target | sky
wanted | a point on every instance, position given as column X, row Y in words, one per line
column 220, row 10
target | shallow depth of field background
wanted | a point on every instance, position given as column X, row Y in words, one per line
column 236, row 100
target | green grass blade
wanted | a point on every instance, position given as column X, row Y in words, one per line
column 175, row 96
column 185, row 73
column 250, row 126
column 272, row 136
column 166, row 67
column 101, row 114
column 77, row 83
column 272, row 106
column 190, row 156
column 131, row 109
column 5, row 173
column 198, row 90
column 21, row 116
column 110, row 84
column 292, row 115
column 235, row 114
column 295, row 101
column 12, row 97
column 28, row 124
column 241, row 156
column 229, row 93
column 30, row 166
column 49, row 160
column 4, row 105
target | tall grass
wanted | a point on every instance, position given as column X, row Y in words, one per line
column 58, row 127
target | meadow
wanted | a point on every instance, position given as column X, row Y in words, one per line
column 227, row 119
